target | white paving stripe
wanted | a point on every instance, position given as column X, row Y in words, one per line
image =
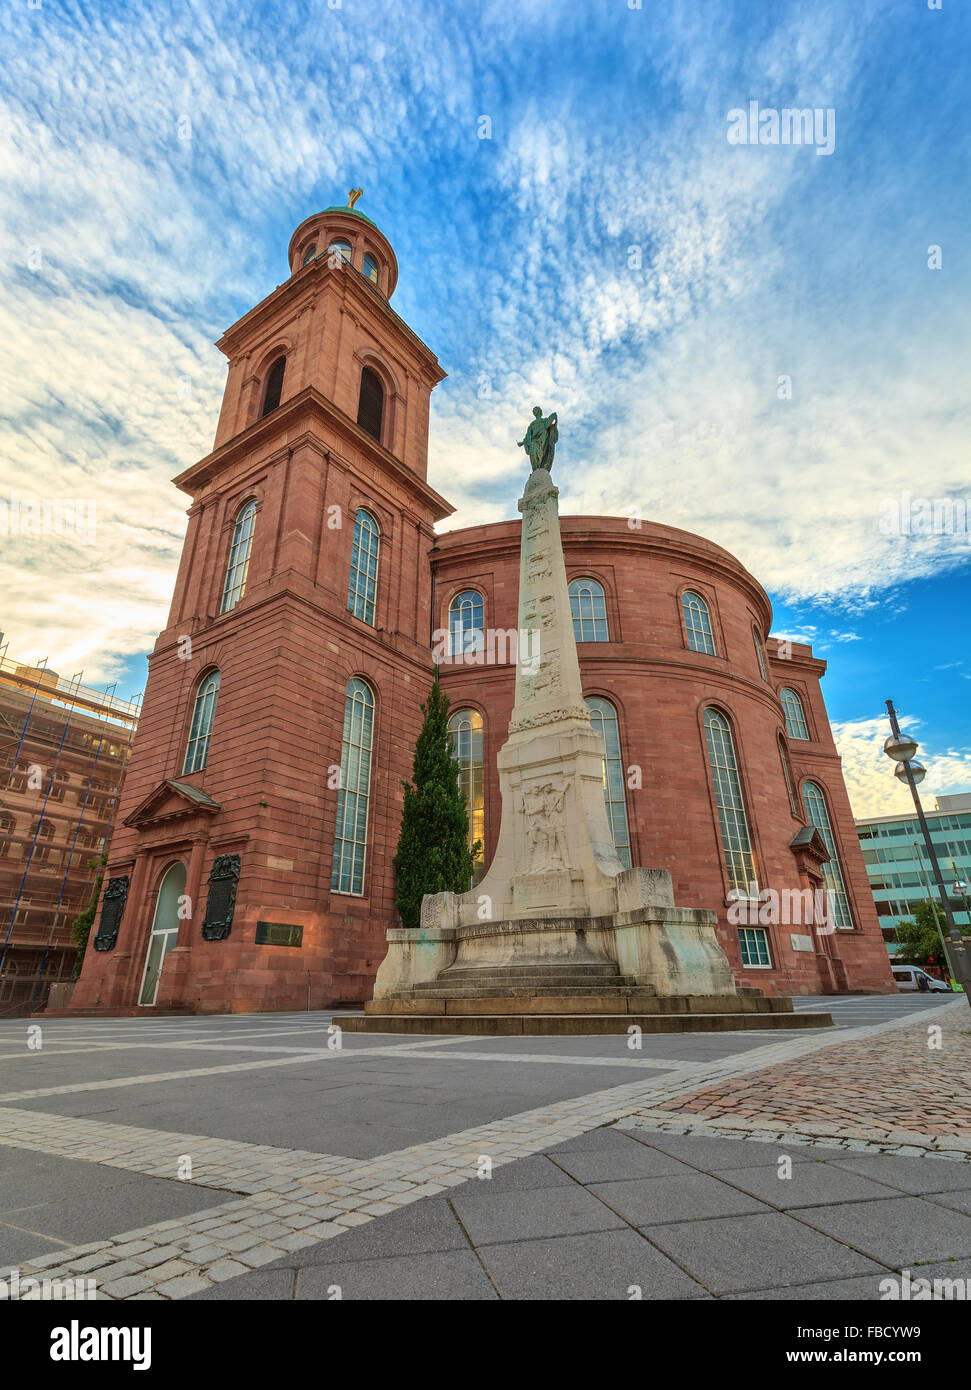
column 112, row 1083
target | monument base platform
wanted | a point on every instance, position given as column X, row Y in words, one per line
column 564, row 1015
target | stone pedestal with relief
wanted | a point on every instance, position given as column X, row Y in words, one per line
column 558, row 937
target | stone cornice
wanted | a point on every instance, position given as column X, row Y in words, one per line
column 475, row 545
column 311, row 405
column 308, row 282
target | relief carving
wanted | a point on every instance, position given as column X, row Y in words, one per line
column 543, row 806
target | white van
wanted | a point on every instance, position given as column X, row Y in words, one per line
column 907, row 978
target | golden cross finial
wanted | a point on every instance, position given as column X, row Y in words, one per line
column 352, row 196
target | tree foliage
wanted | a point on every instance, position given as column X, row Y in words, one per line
column 920, row 942
column 433, row 854
column 82, row 924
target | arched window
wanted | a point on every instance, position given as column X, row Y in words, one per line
column 787, row 774
column 795, row 714
column 350, row 840
column 603, row 717
column 589, row 610
column 466, row 623
column 815, row 804
column 239, row 550
column 203, row 713
column 370, row 406
column 363, row 582
column 465, row 728
column 760, row 653
column 339, row 248
column 43, row 837
column 7, row 827
column 310, row 253
column 732, row 820
column 274, row 385
column 697, row 623
column 57, row 786
column 371, row 268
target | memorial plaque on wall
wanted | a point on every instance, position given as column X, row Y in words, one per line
column 278, row 934
column 112, row 908
column 222, row 897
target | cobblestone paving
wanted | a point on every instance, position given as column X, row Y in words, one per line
column 903, row 1089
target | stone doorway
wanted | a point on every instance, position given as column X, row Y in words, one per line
column 165, row 931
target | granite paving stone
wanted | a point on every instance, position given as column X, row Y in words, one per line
column 809, row 1185
column 765, row 1250
column 438, row 1275
column 595, row 1266
column 695, row 1197
column 898, row 1230
column 491, row 1218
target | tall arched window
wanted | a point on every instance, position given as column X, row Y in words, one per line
column 200, row 732
column 370, row 406
column 274, row 385
column 787, row 774
column 310, row 253
column 760, row 653
column 363, row 582
column 353, row 798
column 466, row 623
column 697, row 623
column 815, row 804
column 795, row 714
column 465, row 728
column 589, row 609
column 603, row 717
column 732, row 820
column 239, row 551
column 370, row 268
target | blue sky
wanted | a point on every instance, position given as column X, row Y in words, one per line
column 605, row 252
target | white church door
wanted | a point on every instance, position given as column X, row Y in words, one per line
column 165, row 931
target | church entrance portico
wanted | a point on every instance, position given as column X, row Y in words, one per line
column 164, row 933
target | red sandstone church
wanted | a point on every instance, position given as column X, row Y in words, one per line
column 251, row 867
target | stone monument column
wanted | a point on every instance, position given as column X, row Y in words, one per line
column 555, row 851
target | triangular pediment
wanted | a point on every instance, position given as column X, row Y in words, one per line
column 172, row 800
column 809, row 841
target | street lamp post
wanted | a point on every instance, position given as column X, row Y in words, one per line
column 902, row 750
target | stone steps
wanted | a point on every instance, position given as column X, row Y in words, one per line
column 565, row 1025
column 528, row 979
column 619, row 1002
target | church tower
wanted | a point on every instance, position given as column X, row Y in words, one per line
column 283, row 699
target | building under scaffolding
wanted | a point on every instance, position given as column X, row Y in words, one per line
column 63, row 752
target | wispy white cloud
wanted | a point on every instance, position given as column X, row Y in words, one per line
column 606, row 254
column 868, row 772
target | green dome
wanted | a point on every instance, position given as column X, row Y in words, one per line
column 352, row 212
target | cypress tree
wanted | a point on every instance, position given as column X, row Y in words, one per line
column 433, row 847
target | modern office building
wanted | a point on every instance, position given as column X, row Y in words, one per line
column 900, row 872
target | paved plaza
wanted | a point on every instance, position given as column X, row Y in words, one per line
column 274, row 1157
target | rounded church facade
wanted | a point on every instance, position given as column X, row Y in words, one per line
column 720, row 761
